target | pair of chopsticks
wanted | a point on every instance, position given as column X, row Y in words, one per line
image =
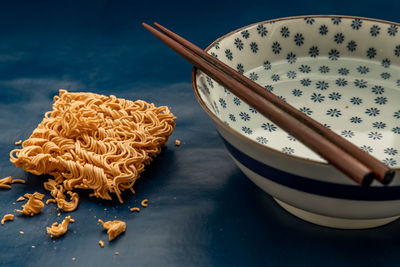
column 345, row 156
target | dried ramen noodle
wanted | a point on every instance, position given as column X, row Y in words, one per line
column 91, row 141
column 57, row 230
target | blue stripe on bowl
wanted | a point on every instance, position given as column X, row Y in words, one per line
column 308, row 185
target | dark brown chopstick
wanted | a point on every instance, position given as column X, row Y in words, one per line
column 345, row 162
column 382, row 172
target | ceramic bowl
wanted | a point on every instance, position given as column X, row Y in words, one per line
column 343, row 72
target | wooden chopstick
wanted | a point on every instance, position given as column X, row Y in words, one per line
column 382, row 172
column 345, row 162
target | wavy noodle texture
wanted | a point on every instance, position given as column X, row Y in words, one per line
column 95, row 142
column 33, row 206
column 57, row 230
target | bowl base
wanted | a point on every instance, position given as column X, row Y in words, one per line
column 334, row 222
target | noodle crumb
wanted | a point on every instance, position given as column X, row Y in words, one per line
column 18, row 142
column 33, row 206
column 177, row 142
column 114, row 228
column 21, row 232
column 135, row 209
column 101, row 243
column 7, row 217
column 21, row 198
column 144, row 203
column 56, row 230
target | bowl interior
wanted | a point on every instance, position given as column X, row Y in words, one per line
column 342, row 71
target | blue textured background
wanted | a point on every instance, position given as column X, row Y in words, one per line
column 202, row 210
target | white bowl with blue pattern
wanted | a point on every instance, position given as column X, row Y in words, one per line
column 342, row 71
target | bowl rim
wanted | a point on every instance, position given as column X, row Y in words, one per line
column 243, row 137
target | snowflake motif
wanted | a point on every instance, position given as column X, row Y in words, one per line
column 299, row 39
column 214, row 55
column 254, row 47
column 360, row 83
column 363, row 69
column 305, row 82
column 253, row 76
column 304, row 68
column 228, row 54
column 285, row 32
column 356, row 100
column 245, row 34
column 326, row 126
column 385, row 75
column 313, row 52
column 298, row 93
column 210, row 82
column 385, row 63
column 276, row 48
column 379, row 125
column 283, row 98
column 291, row 74
column 396, row 130
column 247, row 130
column 291, row 138
column 339, row 38
column 347, row 133
column 291, row 58
column 323, row 30
column 355, row 120
column 375, row 135
column 372, row 112
column 269, row 87
column 253, row 110
column 397, row 51
column 352, row 46
column 389, row 161
column 397, row 114
column 309, row 21
column 239, row 44
column 317, row 98
column 366, row 148
column 240, row 68
column 341, row 82
column 262, row 140
column 226, row 91
column 333, row 54
column 237, row 101
column 222, row 102
column 261, row 30
column 306, row 111
column 216, row 45
column 232, row 117
column 378, row 90
column 269, row 127
column 275, row 77
column 336, row 21
column 322, row 85
column 244, row 116
column 343, row 71
column 335, row 96
column 374, row 30
column 356, row 24
column 381, row 100
column 267, row 65
column 392, row 30
column 390, row 151
column 324, row 69
column 333, row 112
column 371, row 52
column 288, row 150
column 227, row 123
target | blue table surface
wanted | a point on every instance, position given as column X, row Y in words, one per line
column 202, row 210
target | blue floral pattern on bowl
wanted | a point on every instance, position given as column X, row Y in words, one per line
column 342, row 71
